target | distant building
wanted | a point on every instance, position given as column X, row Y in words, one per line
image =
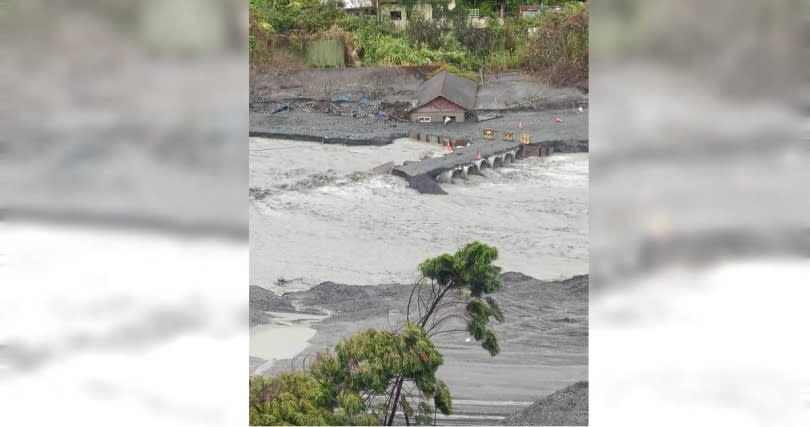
column 529, row 10
column 359, row 7
column 445, row 95
column 398, row 13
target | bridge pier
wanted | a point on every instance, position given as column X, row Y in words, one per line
column 445, row 177
column 509, row 157
column 459, row 171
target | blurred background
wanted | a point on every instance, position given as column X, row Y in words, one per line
column 123, row 242
column 700, row 215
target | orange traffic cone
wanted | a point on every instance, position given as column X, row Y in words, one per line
column 520, row 125
column 478, row 156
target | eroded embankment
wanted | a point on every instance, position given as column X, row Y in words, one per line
column 566, row 129
column 569, row 145
column 350, row 141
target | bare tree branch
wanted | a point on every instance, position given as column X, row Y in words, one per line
column 446, row 331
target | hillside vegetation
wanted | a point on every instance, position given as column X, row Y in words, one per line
column 554, row 43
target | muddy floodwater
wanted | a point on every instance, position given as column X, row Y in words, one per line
column 286, row 336
column 318, row 214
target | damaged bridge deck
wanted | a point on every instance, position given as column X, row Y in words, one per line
column 424, row 175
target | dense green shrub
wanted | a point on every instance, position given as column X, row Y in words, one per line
column 292, row 398
column 369, row 37
column 560, row 47
column 390, row 50
column 478, row 41
column 503, row 60
column 510, row 36
column 424, row 33
column 298, row 15
column 366, row 25
column 332, row 389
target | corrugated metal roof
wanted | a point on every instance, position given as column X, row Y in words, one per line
column 458, row 90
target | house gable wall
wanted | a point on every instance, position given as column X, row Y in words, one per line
column 437, row 110
column 440, row 105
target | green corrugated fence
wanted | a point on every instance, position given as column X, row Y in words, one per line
column 325, row 53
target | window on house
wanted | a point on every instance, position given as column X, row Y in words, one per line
column 423, row 119
column 396, row 15
column 473, row 13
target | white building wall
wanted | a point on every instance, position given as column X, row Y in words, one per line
column 385, row 11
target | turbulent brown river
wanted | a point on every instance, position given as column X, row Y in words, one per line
column 317, row 214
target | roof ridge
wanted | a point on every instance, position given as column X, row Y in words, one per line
column 444, row 80
column 457, row 89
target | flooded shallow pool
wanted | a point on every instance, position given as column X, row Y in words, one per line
column 286, row 336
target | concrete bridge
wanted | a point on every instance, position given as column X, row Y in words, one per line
column 424, row 175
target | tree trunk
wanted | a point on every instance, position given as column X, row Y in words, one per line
column 433, row 306
column 422, row 324
column 407, row 420
column 396, row 403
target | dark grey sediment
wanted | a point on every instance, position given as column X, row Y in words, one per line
column 534, row 311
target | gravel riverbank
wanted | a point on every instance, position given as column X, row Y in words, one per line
column 366, row 107
column 544, row 340
column 569, row 135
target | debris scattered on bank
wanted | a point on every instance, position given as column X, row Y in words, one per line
column 264, row 300
column 280, row 108
column 488, row 116
column 342, row 106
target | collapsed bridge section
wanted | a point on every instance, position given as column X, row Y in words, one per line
column 425, row 175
